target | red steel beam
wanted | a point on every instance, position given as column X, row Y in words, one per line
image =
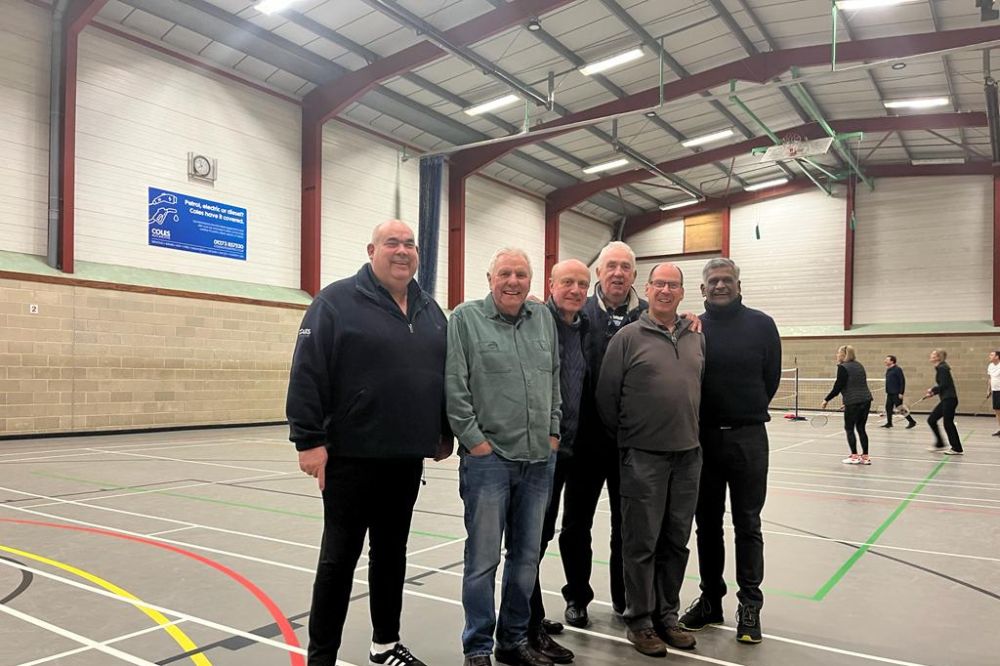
column 726, row 229
column 456, row 237
column 849, row 257
column 78, row 15
column 570, row 196
column 996, row 250
column 310, row 229
column 759, row 68
column 551, row 244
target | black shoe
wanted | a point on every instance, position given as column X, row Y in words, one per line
column 675, row 637
column 478, row 660
column 397, row 656
column 997, row 433
column 702, row 613
column 543, row 644
column 576, row 616
column 618, row 608
column 522, row 655
column 551, row 627
column 748, row 624
column 887, row 425
column 911, row 424
column 647, row 642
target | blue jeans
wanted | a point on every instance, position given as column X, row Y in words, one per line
column 503, row 498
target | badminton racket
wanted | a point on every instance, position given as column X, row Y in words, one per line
column 819, row 420
column 979, row 409
column 904, row 410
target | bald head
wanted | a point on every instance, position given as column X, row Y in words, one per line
column 393, row 255
column 665, row 291
column 568, row 284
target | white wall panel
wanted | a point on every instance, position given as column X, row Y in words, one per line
column 581, row 237
column 665, row 238
column 359, row 192
column 138, row 115
column 24, row 126
column 924, row 250
column 495, row 217
column 795, row 270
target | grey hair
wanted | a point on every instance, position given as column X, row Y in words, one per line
column 516, row 251
column 720, row 262
column 378, row 229
column 615, row 245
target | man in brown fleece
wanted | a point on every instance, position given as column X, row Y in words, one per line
column 648, row 395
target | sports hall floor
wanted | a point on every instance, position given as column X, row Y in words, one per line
column 216, row 532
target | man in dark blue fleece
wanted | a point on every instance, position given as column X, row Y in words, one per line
column 895, row 387
column 365, row 407
column 742, row 371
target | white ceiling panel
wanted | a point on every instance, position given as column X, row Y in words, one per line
column 286, row 81
column 147, row 24
column 255, row 68
column 114, row 11
column 223, row 55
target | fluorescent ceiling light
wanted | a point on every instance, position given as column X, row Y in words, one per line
column 764, row 184
column 606, row 166
column 678, row 204
column 916, row 103
column 938, row 160
column 272, row 6
column 848, row 5
column 612, row 62
column 707, row 138
column 493, row 105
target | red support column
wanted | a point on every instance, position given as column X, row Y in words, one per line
column 312, row 202
column 996, row 249
column 726, row 213
column 551, row 242
column 849, row 259
column 456, row 235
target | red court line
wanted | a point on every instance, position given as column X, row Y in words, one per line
column 279, row 617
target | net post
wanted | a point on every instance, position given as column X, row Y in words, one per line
column 796, row 416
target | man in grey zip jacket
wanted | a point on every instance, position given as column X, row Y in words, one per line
column 649, row 395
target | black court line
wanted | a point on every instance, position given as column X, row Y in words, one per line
column 100, row 491
column 872, row 551
column 26, row 579
column 234, row 643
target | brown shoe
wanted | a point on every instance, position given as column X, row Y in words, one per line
column 647, row 642
column 678, row 638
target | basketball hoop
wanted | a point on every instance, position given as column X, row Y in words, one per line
column 793, row 146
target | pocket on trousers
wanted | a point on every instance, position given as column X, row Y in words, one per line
column 632, row 484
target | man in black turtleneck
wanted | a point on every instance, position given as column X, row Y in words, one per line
column 742, row 371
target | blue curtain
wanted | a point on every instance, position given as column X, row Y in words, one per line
column 431, row 169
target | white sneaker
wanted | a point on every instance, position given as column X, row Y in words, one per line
column 953, row 452
column 866, row 459
column 853, row 459
column 937, row 449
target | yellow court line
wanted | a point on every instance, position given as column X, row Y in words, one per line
column 175, row 632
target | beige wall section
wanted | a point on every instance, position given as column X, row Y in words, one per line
column 24, row 126
column 967, row 356
column 96, row 359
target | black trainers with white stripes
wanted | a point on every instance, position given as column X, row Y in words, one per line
column 397, row 656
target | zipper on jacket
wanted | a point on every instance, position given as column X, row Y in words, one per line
column 411, row 326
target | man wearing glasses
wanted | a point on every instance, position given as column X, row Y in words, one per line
column 648, row 395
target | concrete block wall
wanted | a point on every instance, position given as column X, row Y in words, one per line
column 967, row 356
column 97, row 359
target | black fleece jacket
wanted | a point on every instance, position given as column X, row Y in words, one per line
column 366, row 380
column 742, row 365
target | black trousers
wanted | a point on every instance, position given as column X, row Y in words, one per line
column 362, row 495
column 892, row 401
column 591, row 466
column 563, row 463
column 855, row 418
column 736, row 458
column 945, row 410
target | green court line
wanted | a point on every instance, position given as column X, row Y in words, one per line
column 859, row 553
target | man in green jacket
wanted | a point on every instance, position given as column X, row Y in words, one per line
column 502, row 395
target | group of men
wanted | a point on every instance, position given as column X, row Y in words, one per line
column 549, row 402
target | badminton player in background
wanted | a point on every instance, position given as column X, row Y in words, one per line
column 944, row 389
column 852, row 384
column 993, row 370
column 895, row 387
column 742, row 372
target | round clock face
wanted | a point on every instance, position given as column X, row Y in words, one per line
column 201, row 166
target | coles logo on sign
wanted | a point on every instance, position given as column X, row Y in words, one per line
column 160, row 233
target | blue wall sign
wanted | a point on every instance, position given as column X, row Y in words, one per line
column 188, row 223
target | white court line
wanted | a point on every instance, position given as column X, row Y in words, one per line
column 110, row 641
column 166, row 520
column 148, row 491
column 984, row 485
column 965, row 460
column 785, row 448
column 191, row 462
column 119, row 446
column 211, row 624
column 882, row 546
column 903, row 494
column 858, row 494
column 176, row 529
column 76, row 638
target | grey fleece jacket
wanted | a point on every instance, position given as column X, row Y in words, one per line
column 649, row 390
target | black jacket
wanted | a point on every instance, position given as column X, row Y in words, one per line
column 366, row 380
column 895, row 381
column 573, row 379
column 742, row 365
column 944, row 385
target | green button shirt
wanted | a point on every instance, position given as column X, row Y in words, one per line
column 502, row 379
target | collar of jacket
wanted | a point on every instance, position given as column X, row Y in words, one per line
column 367, row 284
column 683, row 325
column 633, row 298
column 725, row 311
column 581, row 321
column 491, row 311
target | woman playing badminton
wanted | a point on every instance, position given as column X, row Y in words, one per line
column 852, row 384
column 944, row 388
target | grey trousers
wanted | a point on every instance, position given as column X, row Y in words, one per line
column 659, row 495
